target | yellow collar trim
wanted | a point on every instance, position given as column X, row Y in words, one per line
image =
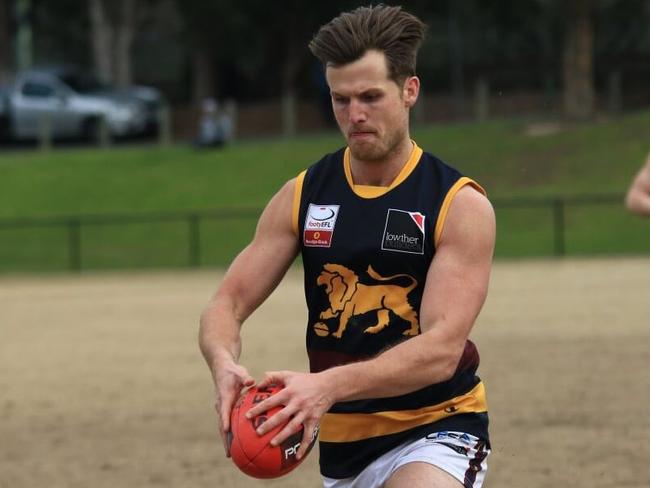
column 368, row 191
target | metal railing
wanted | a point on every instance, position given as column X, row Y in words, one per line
column 194, row 221
column 74, row 225
column 558, row 205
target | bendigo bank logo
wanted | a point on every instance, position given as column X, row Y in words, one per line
column 404, row 232
column 319, row 225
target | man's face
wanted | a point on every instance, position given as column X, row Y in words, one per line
column 370, row 108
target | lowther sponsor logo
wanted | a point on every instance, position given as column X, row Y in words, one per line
column 319, row 225
column 404, row 232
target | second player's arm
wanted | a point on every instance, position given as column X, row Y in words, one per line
column 637, row 199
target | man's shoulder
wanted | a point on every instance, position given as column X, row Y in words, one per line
column 331, row 157
column 438, row 167
column 431, row 158
column 330, row 161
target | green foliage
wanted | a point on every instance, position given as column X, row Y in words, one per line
column 598, row 158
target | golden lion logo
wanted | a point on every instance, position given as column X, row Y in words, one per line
column 348, row 297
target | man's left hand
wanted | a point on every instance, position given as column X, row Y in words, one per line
column 306, row 398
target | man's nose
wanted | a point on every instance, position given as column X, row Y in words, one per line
column 357, row 112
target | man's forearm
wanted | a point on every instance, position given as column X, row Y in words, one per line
column 409, row 366
column 219, row 337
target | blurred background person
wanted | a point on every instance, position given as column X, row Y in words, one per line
column 215, row 126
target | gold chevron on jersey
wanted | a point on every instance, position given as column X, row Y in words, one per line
column 351, row 427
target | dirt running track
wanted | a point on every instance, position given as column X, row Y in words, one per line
column 101, row 383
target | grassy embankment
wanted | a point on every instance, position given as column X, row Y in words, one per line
column 584, row 159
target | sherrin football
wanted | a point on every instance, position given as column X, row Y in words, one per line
column 252, row 453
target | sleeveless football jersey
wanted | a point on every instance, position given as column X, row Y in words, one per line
column 366, row 252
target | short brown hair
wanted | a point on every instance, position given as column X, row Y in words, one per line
column 391, row 30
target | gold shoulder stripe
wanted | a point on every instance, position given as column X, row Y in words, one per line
column 297, row 193
column 350, row 427
column 442, row 215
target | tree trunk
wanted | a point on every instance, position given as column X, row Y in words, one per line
column 24, row 44
column 204, row 76
column 289, row 103
column 290, row 69
column 457, row 77
column 5, row 42
column 124, row 40
column 101, row 39
column 579, row 93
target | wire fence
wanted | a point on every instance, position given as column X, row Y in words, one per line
column 543, row 226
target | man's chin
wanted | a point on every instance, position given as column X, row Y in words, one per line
column 365, row 151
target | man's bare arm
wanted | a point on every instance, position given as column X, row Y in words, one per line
column 457, row 283
column 638, row 196
column 252, row 276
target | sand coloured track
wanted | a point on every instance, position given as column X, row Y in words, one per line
column 102, row 385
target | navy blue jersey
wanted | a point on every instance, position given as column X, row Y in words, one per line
column 366, row 252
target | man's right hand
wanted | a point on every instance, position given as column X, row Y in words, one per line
column 229, row 380
column 242, row 290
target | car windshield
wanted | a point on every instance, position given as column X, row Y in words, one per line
column 83, row 83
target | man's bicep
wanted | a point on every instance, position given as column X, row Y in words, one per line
column 458, row 277
column 258, row 269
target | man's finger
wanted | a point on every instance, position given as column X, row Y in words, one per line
column 291, row 428
column 225, row 403
column 307, row 436
column 264, row 406
column 224, row 428
column 273, row 377
column 225, row 440
column 275, row 420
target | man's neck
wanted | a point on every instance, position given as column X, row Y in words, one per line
column 381, row 172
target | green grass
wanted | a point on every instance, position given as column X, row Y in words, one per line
column 599, row 157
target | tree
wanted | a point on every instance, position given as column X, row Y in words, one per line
column 5, row 40
column 124, row 32
column 263, row 42
column 579, row 92
column 112, row 31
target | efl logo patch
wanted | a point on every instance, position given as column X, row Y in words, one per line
column 404, row 232
column 319, row 225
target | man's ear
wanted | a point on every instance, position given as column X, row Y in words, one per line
column 411, row 90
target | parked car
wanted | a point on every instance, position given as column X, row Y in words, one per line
column 73, row 103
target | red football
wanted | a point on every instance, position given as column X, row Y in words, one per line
column 254, row 454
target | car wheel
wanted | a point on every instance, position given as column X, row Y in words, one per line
column 90, row 130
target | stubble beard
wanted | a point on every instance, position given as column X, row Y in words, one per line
column 378, row 151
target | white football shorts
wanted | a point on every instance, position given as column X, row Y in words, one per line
column 461, row 455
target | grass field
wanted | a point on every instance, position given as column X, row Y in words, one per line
column 599, row 157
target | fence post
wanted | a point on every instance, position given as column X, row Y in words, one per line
column 45, row 132
column 481, row 100
column 103, row 135
column 194, row 240
column 74, row 244
column 289, row 114
column 164, row 126
column 615, row 91
column 559, row 247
